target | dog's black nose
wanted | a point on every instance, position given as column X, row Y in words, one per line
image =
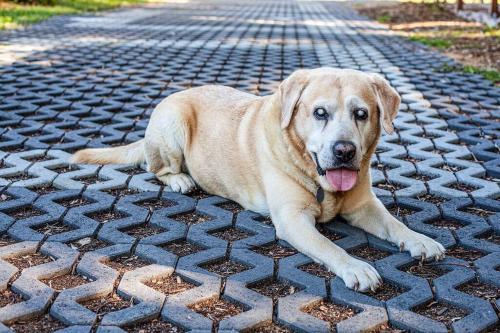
column 344, row 150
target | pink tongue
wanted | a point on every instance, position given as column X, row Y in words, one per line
column 342, row 179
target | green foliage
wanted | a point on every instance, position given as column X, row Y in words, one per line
column 35, row 2
column 489, row 74
column 439, row 43
column 15, row 15
column 384, row 18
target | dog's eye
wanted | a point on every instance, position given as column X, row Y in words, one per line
column 320, row 114
column 360, row 114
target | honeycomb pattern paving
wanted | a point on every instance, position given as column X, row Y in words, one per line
column 109, row 249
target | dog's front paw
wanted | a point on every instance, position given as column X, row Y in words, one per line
column 421, row 246
column 359, row 275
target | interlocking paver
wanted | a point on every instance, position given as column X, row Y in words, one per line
column 93, row 81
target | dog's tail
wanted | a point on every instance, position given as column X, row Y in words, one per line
column 132, row 153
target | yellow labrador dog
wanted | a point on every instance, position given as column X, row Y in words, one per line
column 274, row 154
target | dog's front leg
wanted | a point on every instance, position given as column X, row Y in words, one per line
column 373, row 217
column 295, row 223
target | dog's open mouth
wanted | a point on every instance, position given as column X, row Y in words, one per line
column 342, row 179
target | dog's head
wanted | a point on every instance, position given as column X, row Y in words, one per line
column 337, row 116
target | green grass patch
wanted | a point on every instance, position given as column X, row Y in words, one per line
column 14, row 15
column 439, row 43
column 489, row 74
column 492, row 31
column 384, row 18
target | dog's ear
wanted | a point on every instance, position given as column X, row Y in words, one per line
column 289, row 93
column 388, row 101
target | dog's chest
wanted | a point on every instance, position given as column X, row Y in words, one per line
column 330, row 207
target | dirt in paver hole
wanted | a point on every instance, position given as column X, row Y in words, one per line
column 409, row 159
column 369, row 253
column 198, row 194
column 482, row 290
column 121, row 192
column 387, row 328
column 106, row 215
column 386, row 291
column 478, row 211
column 442, row 312
column 25, row 212
column 88, row 244
column 134, row 171
column 156, row 181
column 462, row 187
column 37, row 158
column 182, row 248
column 154, row 326
column 317, row 269
column 275, row 250
column 87, row 180
column 231, row 206
column 445, row 224
column 325, row 231
column 225, row 267
column 490, row 236
column 127, row 263
column 454, row 168
column 391, row 187
column 421, row 177
column 56, row 227
column 29, row 260
column 265, row 220
column 191, row 218
column 39, row 324
column 432, row 199
column 468, row 255
column 63, row 169
column 60, row 283
column 329, row 312
column 270, row 328
column 7, row 297
column 18, row 177
column 231, row 234
column 400, row 211
column 143, row 230
column 44, row 189
column 426, row 271
column 6, row 240
column 274, row 288
column 155, row 204
column 217, row 309
column 104, row 305
column 170, row 285
column 13, row 149
column 72, row 202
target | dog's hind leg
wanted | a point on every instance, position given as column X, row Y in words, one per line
column 164, row 151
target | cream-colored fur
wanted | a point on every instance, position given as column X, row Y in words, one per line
column 258, row 152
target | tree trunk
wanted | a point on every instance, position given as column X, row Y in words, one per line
column 460, row 4
column 494, row 7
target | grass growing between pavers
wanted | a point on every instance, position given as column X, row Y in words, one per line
column 14, row 15
column 492, row 75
